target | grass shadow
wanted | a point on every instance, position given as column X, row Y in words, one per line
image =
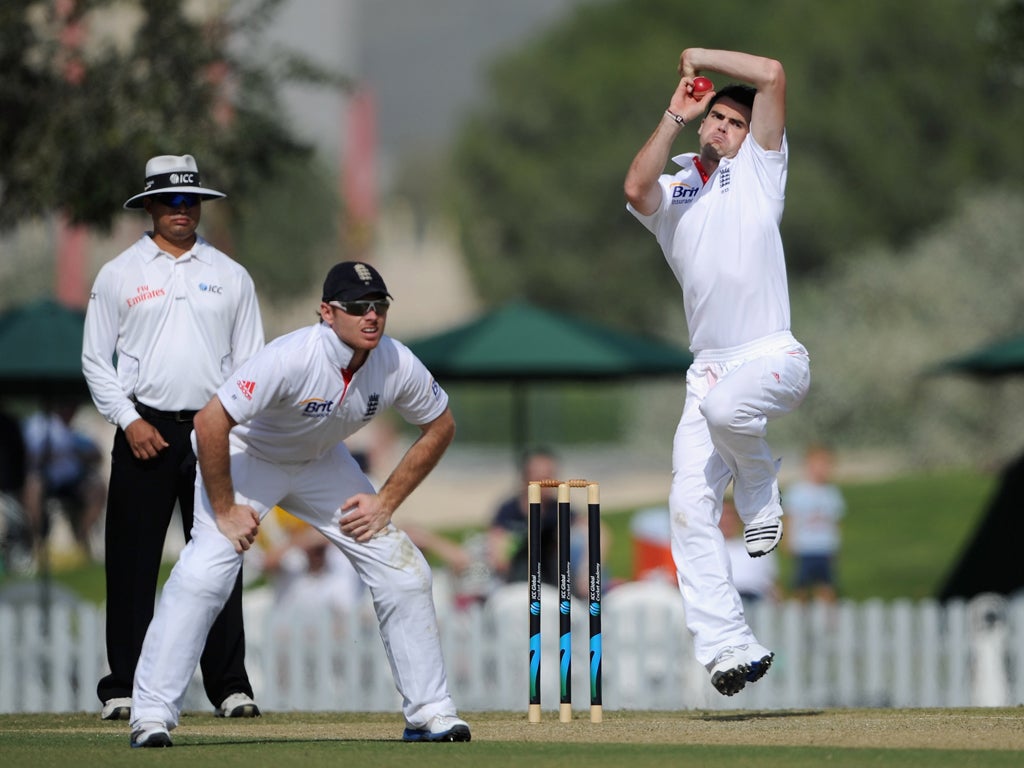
column 738, row 717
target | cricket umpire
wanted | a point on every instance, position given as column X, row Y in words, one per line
column 168, row 320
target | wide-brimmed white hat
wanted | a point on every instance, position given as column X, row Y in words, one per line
column 172, row 173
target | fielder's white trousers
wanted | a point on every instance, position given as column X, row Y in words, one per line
column 731, row 395
column 394, row 570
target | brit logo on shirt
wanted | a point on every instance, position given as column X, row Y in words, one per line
column 724, row 174
column 372, row 405
column 316, row 407
column 683, row 192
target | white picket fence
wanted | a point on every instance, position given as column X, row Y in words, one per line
column 853, row 654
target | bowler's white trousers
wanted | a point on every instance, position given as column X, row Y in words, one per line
column 393, row 569
column 731, row 394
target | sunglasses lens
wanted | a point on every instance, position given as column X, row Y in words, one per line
column 174, row 200
column 360, row 308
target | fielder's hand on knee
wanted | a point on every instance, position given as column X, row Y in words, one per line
column 239, row 524
column 363, row 516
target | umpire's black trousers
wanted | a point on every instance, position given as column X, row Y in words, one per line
column 140, row 502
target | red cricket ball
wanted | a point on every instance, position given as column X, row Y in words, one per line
column 701, row 85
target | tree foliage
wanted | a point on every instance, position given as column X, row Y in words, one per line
column 891, row 108
column 90, row 89
column 878, row 326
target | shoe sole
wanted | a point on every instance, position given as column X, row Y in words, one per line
column 729, row 682
column 458, row 733
column 758, row 668
column 119, row 713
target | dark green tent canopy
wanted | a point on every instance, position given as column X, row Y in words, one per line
column 521, row 342
column 41, row 351
column 999, row 359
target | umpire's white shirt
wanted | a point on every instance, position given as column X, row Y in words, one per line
column 294, row 402
column 177, row 327
column 722, row 241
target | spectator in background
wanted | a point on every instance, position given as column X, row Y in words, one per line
column 507, row 541
column 814, row 507
column 63, row 465
column 754, row 578
column 15, row 534
column 467, row 560
column 506, row 546
column 305, row 569
column 13, row 456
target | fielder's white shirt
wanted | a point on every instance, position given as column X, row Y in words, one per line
column 293, row 403
column 722, row 241
column 177, row 327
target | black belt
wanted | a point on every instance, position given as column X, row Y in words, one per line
column 153, row 413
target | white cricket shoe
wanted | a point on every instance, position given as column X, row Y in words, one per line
column 117, row 709
column 440, row 728
column 762, row 538
column 238, row 705
column 736, row 666
column 150, row 734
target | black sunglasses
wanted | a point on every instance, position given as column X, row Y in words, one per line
column 177, row 199
column 362, row 307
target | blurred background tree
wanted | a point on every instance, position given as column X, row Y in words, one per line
column 893, row 109
column 905, row 205
column 902, row 226
column 90, row 89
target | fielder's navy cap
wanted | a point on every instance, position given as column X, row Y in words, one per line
column 351, row 280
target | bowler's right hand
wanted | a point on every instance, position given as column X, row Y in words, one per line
column 144, row 439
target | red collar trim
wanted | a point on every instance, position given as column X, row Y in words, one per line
column 704, row 175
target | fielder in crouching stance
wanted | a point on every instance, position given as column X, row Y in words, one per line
column 717, row 221
column 272, row 434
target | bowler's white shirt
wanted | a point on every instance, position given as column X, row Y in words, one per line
column 722, row 241
column 293, row 403
column 177, row 327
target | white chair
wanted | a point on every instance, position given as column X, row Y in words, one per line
column 649, row 662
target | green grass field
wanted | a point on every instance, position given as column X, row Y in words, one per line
column 900, row 536
column 797, row 739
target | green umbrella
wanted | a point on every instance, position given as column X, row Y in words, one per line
column 519, row 343
column 41, row 351
column 999, row 359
